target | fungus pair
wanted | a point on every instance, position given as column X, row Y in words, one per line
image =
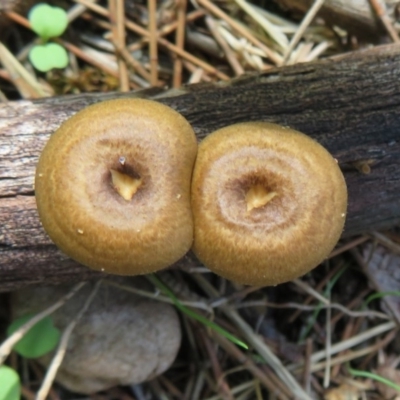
column 117, row 192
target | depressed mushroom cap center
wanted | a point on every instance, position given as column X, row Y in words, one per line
column 269, row 203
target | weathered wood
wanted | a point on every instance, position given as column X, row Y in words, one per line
column 355, row 16
column 350, row 104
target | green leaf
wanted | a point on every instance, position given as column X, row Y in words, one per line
column 10, row 388
column 48, row 21
column 39, row 340
column 48, row 56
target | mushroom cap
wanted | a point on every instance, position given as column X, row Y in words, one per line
column 268, row 203
column 82, row 209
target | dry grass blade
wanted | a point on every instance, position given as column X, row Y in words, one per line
column 3, row 97
column 348, row 246
column 240, row 29
column 230, row 56
column 255, row 341
column 152, row 8
column 236, row 390
column 328, row 342
column 317, row 51
column 303, row 26
column 91, row 57
column 201, row 305
column 27, row 84
column 266, row 354
column 354, row 341
column 222, row 385
column 337, row 306
column 380, row 10
column 280, row 392
column 117, row 19
column 163, row 42
column 62, row 347
column 385, row 241
column 308, row 289
column 273, row 31
column 179, row 41
column 350, row 355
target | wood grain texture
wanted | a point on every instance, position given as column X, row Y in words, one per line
column 355, row 16
column 350, row 104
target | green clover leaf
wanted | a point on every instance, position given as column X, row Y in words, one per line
column 10, row 387
column 48, row 21
column 48, row 56
column 39, row 340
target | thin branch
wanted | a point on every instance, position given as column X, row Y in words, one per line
column 380, row 10
column 152, row 27
column 179, row 41
column 117, row 19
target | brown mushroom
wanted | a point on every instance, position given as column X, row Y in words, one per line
column 113, row 186
column 268, row 203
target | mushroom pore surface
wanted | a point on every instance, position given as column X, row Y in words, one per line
column 268, row 203
column 113, row 186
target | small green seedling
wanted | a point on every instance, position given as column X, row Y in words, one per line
column 48, row 56
column 39, row 340
column 10, row 387
column 48, row 22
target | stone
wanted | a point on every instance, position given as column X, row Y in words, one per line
column 122, row 339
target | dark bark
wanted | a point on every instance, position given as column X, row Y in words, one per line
column 350, row 104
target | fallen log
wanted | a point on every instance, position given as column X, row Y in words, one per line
column 350, row 104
